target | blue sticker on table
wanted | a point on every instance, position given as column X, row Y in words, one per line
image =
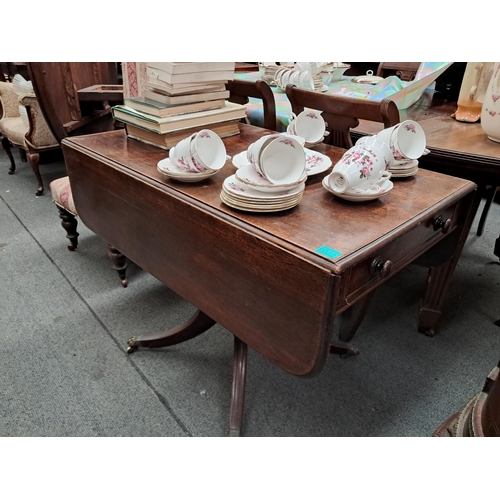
column 328, row 252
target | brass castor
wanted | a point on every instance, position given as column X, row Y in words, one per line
column 131, row 347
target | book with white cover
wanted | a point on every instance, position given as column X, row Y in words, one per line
column 176, row 68
column 159, row 109
column 183, row 89
column 231, row 111
column 185, row 98
column 154, row 74
column 170, row 139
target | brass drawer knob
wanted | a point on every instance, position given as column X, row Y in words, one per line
column 444, row 225
column 383, row 269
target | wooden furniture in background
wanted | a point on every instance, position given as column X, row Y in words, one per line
column 360, row 68
column 57, row 84
column 245, row 66
column 480, row 417
column 276, row 281
column 240, row 91
column 9, row 69
column 76, row 99
column 342, row 113
column 405, row 71
column 30, row 133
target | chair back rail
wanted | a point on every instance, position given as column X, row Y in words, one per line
column 343, row 113
column 240, row 91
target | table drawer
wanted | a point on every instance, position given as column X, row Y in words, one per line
column 384, row 262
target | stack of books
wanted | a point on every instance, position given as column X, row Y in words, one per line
column 181, row 99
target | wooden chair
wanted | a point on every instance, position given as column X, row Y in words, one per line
column 22, row 125
column 405, row 71
column 342, row 113
column 245, row 67
column 490, row 194
column 76, row 99
column 240, row 91
column 58, row 86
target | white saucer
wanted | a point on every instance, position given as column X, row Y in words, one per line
column 384, row 187
column 243, row 191
column 396, row 174
column 315, row 162
column 249, row 176
column 166, row 167
column 404, row 166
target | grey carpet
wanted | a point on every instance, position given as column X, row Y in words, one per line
column 66, row 319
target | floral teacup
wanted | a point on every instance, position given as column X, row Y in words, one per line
column 359, row 168
column 309, row 124
column 406, row 139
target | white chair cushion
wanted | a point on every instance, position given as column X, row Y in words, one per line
column 14, row 129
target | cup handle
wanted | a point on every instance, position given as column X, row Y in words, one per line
column 291, row 118
column 326, row 132
column 473, row 89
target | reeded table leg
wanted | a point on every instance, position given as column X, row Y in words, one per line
column 196, row 325
column 439, row 278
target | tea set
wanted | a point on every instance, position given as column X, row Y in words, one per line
column 364, row 171
column 195, row 158
column 272, row 172
column 305, row 75
column 273, row 179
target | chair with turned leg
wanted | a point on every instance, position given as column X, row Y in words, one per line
column 23, row 125
column 63, row 198
column 76, row 99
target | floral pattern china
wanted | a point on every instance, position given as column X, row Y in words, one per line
column 316, row 163
column 363, row 160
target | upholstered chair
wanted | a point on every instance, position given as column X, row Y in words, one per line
column 22, row 125
column 63, row 198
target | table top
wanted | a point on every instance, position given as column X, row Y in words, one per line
column 444, row 133
column 320, row 220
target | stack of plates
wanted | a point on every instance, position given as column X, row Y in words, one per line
column 249, row 176
column 378, row 191
column 316, row 163
column 310, row 79
column 166, row 167
column 404, row 169
column 239, row 195
column 317, row 79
